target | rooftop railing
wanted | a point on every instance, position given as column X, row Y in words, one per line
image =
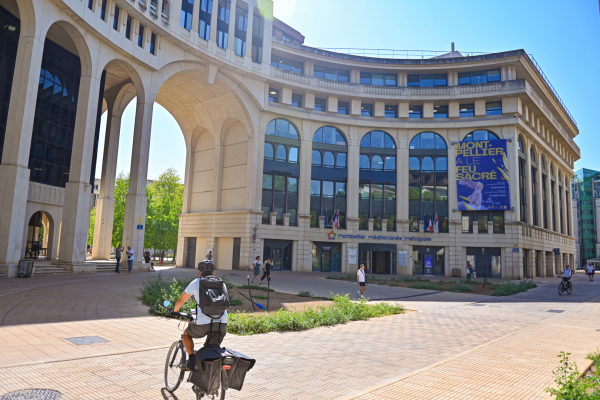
column 537, row 66
column 401, row 54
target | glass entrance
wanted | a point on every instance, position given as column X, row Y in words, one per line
column 382, row 262
column 281, row 253
column 326, row 257
column 486, row 261
column 428, row 260
column 378, row 258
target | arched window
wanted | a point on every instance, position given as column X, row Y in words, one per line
column 521, row 144
column 553, row 197
column 377, row 197
column 281, row 174
column 428, row 182
column 522, row 180
column 268, row 151
column 329, row 160
column 480, row 135
column 534, row 186
column 328, row 180
column 560, row 202
column 166, row 10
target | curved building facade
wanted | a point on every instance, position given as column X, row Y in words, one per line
column 317, row 159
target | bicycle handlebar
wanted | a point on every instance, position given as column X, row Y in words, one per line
column 187, row 316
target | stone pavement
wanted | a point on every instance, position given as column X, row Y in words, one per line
column 454, row 349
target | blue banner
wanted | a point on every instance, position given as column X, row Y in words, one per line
column 482, row 175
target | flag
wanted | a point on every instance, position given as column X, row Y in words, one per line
column 430, row 227
column 437, row 226
column 336, row 219
column 424, row 223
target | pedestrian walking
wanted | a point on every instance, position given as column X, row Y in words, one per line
column 148, row 258
column 267, row 270
column 256, row 267
column 130, row 257
column 361, row 280
column 590, row 271
column 118, row 251
column 209, row 256
column 469, row 269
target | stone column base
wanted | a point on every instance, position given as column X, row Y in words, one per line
column 77, row 268
column 10, row 270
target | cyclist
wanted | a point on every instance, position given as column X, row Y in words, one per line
column 567, row 273
column 203, row 325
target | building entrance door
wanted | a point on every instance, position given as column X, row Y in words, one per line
column 486, row 261
column 281, row 253
column 382, row 262
column 326, row 257
column 428, row 260
column 378, row 258
column 190, row 261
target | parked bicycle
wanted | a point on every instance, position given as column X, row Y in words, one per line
column 220, row 370
column 565, row 285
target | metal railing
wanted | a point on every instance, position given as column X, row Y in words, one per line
column 537, row 66
column 390, row 53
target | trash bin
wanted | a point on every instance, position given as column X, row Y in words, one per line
column 26, row 268
column 456, row 272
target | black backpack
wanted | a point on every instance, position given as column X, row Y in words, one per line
column 213, row 301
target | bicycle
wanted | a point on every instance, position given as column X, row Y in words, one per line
column 174, row 374
column 565, row 286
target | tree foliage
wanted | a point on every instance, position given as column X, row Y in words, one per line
column 121, row 189
column 165, row 202
column 92, row 224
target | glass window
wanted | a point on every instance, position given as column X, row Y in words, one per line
column 258, row 27
column 141, row 37
column 467, row 110
column 440, row 112
column 391, row 111
column 413, row 226
column 273, row 95
column 426, row 80
column 128, row 28
column 116, row 19
column 391, row 80
column 292, row 185
column 493, row 75
column 365, row 162
column 478, row 77
column 187, row 9
column 152, row 44
column 427, row 164
column 390, row 163
column 223, row 16
column 413, row 80
column 205, row 17
column 296, row 100
column 494, row 108
column 414, row 164
column 441, row 164
column 281, row 153
column 332, row 74
column 293, row 155
column 441, row 79
column 366, row 110
column 480, row 135
column 365, row 78
column 482, row 223
column 467, row 223
column 320, row 105
column 343, row 107
column 328, row 160
column 377, row 163
column 415, row 111
column 268, row 151
column 378, row 79
column 316, row 158
column 267, row 182
column 498, row 220
column 319, row 72
column 464, row 78
column 341, row 160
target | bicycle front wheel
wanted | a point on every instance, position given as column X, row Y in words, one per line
column 569, row 288
column 561, row 289
column 174, row 374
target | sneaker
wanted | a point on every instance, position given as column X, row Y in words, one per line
column 358, row 293
column 184, row 365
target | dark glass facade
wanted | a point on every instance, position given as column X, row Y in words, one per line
column 54, row 121
column 9, row 40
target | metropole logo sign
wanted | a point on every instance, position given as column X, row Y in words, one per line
column 331, row 235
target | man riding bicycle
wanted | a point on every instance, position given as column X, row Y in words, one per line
column 203, row 325
column 567, row 274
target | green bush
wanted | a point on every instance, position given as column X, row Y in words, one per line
column 235, row 302
column 305, row 293
column 155, row 290
column 468, row 281
column 510, row 288
column 461, row 288
column 425, row 286
column 254, row 296
column 341, row 277
column 595, row 357
column 568, row 384
column 256, row 287
column 342, row 310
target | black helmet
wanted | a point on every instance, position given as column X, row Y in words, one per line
column 206, row 267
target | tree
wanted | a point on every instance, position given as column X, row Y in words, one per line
column 92, row 224
column 121, row 189
column 165, row 202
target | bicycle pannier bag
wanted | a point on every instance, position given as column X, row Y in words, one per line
column 237, row 373
column 209, row 379
column 213, row 300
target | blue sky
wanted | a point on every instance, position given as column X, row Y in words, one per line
column 564, row 37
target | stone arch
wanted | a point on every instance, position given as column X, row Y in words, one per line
column 345, row 135
column 437, row 146
column 75, row 42
column 234, row 172
column 473, row 135
column 41, row 227
column 25, row 11
column 533, row 154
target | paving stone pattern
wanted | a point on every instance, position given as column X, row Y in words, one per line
column 503, row 349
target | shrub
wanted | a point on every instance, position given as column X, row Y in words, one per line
column 341, row 277
column 254, row 296
column 156, row 290
column 342, row 310
column 510, row 288
column 568, row 384
column 235, row 302
column 461, row 288
column 425, row 286
column 595, row 357
column 305, row 293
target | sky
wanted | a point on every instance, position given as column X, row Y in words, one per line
column 563, row 36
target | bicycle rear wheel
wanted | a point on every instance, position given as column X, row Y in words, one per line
column 174, row 374
column 569, row 287
column 561, row 289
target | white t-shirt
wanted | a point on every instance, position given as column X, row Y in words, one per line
column 130, row 255
column 361, row 275
column 193, row 289
column 590, row 269
column 567, row 272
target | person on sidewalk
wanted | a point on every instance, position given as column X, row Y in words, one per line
column 267, row 270
column 590, row 271
column 118, row 251
column 256, row 267
column 469, row 270
column 130, row 258
column 361, row 280
column 209, row 256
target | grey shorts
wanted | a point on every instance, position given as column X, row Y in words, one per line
column 199, row 331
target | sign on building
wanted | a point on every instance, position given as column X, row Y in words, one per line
column 482, row 178
column 352, row 256
column 402, row 258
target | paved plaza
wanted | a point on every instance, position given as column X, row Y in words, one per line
column 455, row 346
